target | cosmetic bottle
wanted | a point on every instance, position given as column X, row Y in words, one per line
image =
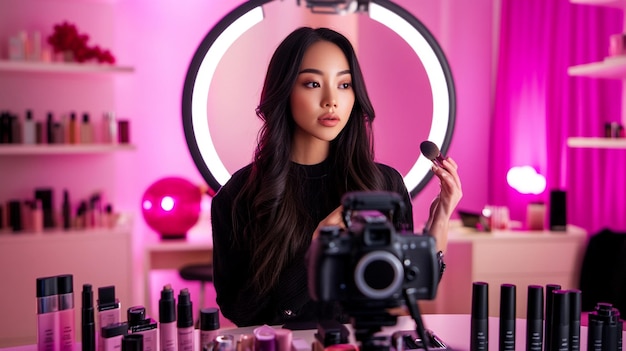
column 209, row 325
column 86, row 135
column 37, row 216
column 575, row 311
column 72, row 129
column 479, row 325
column 560, row 321
column 112, row 336
column 138, row 323
column 534, row 318
column 88, row 323
column 507, row 317
column 223, row 343
column 27, row 215
column 109, row 128
column 47, row 314
column 15, row 216
column 67, row 211
column 132, row 342
column 40, row 136
column 29, row 135
column 547, row 334
column 184, row 323
column 264, row 338
column 109, row 307
column 49, row 128
column 67, row 323
column 605, row 328
column 58, row 134
column 167, row 320
column 45, row 195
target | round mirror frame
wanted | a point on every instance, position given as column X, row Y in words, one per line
column 231, row 26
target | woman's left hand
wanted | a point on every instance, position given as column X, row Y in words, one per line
column 443, row 206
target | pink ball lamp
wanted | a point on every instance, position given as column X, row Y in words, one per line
column 171, row 206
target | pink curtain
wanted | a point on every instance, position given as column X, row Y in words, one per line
column 538, row 106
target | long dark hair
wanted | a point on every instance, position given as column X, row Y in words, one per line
column 272, row 224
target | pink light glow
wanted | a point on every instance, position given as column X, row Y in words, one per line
column 526, row 180
column 179, row 206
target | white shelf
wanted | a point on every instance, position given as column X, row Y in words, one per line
column 63, row 149
column 610, row 3
column 61, row 67
column 602, row 143
column 610, row 67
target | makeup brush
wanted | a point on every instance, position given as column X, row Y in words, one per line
column 431, row 151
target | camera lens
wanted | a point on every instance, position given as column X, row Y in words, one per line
column 378, row 275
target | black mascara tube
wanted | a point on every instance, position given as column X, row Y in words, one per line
column 507, row 317
column 534, row 318
column 547, row 334
column 88, row 325
column 479, row 328
column 575, row 310
column 560, row 321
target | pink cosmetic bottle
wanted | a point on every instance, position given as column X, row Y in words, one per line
column 112, row 336
column 185, row 321
column 67, row 324
column 138, row 323
column 109, row 309
column 209, row 326
column 167, row 320
column 47, row 314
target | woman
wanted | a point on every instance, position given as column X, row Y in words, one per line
column 314, row 146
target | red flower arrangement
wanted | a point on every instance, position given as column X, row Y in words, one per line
column 66, row 38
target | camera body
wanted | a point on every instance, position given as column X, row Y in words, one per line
column 370, row 264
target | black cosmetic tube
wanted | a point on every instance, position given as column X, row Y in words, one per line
column 560, row 321
column 547, row 334
column 88, row 324
column 534, row 318
column 507, row 317
column 479, row 329
column 575, row 310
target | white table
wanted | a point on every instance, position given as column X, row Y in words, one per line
column 453, row 329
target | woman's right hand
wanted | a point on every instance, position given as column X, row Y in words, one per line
column 335, row 218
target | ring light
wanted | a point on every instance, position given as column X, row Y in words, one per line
column 234, row 24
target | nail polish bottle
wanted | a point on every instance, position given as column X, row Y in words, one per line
column 28, row 129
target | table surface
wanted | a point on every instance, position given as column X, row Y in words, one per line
column 453, row 329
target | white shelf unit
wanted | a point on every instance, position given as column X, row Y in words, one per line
column 609, row 68
column 62, row 149
column 61, row 67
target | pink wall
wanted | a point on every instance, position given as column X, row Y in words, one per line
column 159, row 38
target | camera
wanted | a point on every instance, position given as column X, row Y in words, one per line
column 371, row 264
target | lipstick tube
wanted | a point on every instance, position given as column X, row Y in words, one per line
column 507, row 317
column 534, row 318
column 47, row 314
column 479, row 327
column 67, row 323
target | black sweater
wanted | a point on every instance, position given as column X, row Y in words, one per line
column 289, row 301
